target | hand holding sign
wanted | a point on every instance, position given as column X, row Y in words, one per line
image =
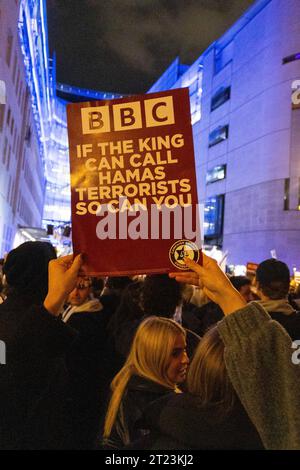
column 213, row 281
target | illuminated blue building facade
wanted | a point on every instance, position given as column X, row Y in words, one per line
column 247, row 134
column 22, row 176
column 50, row 109
column 34, row 162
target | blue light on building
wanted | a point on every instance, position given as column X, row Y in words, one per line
column 244, row 121
column 49, row 100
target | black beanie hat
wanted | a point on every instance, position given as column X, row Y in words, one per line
column 26, row 267
column 272, row 270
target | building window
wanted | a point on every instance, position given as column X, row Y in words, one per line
column 2, row 111
column 15, row 140
column 17, row 83
column 8, row 190
column 291, row 58
column 28, row 135
column 218, row 135
column 8, row 157
column 20, row 93
column 2, row 92
column 8, row 117
column 24, row 100
column 223, row 57
column 4, row 151
column 213, row 219
column 12, row 125
column 9, row 43
column 23, row 160
column 220, row 97
column 216, row 173
column 18, row 145
column 14, row 68
column 286, row 197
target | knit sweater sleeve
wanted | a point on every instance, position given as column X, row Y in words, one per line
column 258, row 357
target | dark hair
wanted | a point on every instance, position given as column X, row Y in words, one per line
column 26, row 269
column 118, row 283
column 126, row 318
column 239, row 281
column 161, row 295
column 273, row 277
column 97, row 285
column 129, row 308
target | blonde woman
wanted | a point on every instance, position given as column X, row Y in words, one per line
column 156, row 364
column 209, row 415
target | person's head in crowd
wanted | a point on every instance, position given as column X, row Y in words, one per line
column 187, row 293
column 130, row 304
column 207, row 376
column 97, row 286
column 157, row 354
column 2, row 295
column 82, row 292
column 128, row 313
column 26, row 269
column 161, row 295
column 117, row 284
column 272, row 280
column 1, row 264
column 243, row 285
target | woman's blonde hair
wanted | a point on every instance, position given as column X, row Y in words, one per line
column 149, row 357
column 207, row 376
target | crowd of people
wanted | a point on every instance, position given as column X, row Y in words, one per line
column 186, row 360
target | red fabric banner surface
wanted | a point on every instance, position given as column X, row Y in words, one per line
column 133, row 183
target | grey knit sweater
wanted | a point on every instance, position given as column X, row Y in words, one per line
column 258, row 357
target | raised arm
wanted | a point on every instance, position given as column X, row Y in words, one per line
column 63, row 274
column 258, row 357
column 214, row 282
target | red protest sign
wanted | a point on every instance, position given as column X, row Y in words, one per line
column 133, row 183
column 251, row 269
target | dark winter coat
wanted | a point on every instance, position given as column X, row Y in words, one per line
column 90, row 366
column 291, row 323
column 179, row 422
column 34, row 380
column 128, row 427
column 281, row 311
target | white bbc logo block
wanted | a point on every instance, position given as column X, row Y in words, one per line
column 95, row 120
column 128, row 116
column 159, row 111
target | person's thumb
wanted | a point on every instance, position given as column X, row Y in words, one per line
column 76, row 265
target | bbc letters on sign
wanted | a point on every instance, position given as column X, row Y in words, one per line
column 133, row 184
column 128, row 116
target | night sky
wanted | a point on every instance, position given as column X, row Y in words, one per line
column 125, row 45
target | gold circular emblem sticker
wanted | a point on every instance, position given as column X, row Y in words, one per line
column 183, row 249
